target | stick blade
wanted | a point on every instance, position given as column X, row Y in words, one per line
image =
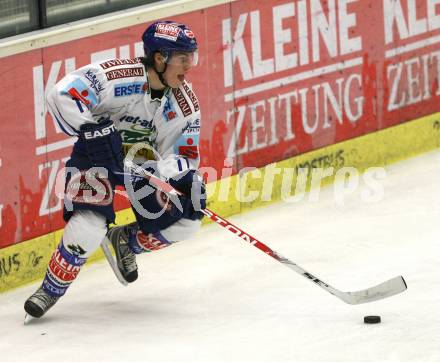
column 381, row 291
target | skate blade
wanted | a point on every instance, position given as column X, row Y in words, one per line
column 105, row 245
column 28, row 319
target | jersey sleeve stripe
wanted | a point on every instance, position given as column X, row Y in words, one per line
column 66, row 127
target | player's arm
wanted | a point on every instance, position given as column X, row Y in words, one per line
column 178, row 171
column 72, row 103
column 180, row 168
column 74, row 98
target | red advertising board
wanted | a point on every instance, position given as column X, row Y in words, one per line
column 275, row 79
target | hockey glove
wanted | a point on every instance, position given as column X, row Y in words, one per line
column 194, row 200
column 103, row 145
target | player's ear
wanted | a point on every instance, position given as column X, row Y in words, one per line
column 159, row 60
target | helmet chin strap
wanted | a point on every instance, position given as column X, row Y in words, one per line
column 160, row 75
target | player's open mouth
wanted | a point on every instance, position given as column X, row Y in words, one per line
column 181, row 77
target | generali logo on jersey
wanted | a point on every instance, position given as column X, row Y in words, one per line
column 125, row 73
column 182, row 102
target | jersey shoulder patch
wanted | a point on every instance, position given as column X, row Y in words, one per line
column 191, row 95
column 118, row 62
column 186, row 99
column 123, row 68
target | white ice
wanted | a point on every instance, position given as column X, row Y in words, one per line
column 216, row 298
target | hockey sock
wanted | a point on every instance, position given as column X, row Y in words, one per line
column 62, row 270
column 142, row 243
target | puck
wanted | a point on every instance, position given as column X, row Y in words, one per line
column 372, row 319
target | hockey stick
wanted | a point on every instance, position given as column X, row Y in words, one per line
column 384, row 290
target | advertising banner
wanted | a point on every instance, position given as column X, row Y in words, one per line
column 275, row 79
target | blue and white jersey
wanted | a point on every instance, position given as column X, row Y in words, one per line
column 119, row 90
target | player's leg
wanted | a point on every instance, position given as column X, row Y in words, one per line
column 130, row 240
column 88, row 208
column 148, row 210
column 82, row 236
column 157, row 225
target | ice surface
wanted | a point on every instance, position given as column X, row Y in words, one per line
column 216, row 298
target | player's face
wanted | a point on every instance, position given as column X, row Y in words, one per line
column 178, row 66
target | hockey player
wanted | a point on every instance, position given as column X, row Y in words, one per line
column 112, row 106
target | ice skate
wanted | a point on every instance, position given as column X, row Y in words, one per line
column 38, row 304
column 125, row 258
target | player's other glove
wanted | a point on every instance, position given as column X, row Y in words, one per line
column 192, row 186
column 103, row 145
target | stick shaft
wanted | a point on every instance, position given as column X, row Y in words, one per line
column 383, row 290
